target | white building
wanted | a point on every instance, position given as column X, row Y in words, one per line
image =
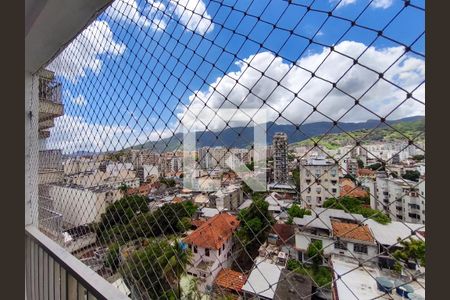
column 80, row 206
column 211, row 245
column 400, row 199
column 327, row 225
column 319, row 180
column 230, row 197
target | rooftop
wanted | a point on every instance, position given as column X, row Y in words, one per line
column 293, row 286
column 263, row 279
column 230, row 279
column 320, row 218
column 389, row 233
column 352, row 231
column 214, row 232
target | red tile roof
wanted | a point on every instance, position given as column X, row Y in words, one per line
column 214, row 232
column 352, row 231
column 177, row 200
column 366, row 172
column 197, row 223
column 357, row 192
column 230, row 279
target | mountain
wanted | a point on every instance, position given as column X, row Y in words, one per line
column 242, row 137
column 410, row 129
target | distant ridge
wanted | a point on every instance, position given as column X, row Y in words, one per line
column 241, row 137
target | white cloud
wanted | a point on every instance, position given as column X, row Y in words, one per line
column 84, row 52
column 79, row 100
column 382, row 3
column 408, row 72
column 193, row 15
column 74, row 133
column 127, row 11
column 344, row 2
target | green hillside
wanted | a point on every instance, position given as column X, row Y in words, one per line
column 399, row 132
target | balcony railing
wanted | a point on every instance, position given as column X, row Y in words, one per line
column 49, row 90
column 53, row 273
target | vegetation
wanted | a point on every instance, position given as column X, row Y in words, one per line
column 296, row 177
column 112, row 257
column 123, row 188
column 255, row 223
column 122, row 224
column 357, row 206
column 156, row 269
column 376, row 167
column 121, row 211
column 360, row 163
column 295, row 211
column 315, row 253
column 413, row 250
column 321, row 275
column 400, row 131
column 411, row 175
column 169, row 182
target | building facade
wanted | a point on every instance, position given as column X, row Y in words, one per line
column 280, row 158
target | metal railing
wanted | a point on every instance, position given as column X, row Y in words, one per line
column 53, row 273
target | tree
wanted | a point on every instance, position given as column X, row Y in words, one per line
column 412, row 175
column 295, row 211
column 296, row 177
column 315, row 252
column 123, row 188
column 360, row 163
column 178, row 257
column 418, row 157
column 412, row 250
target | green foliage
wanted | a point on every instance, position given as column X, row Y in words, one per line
column 112, row 257
column 295, row 211
column 169, row 182
column 356, row 206
column 121, row 211
column 156, row 269
column 360, row 163
column 400, row 131
column 250, row 166
column 315, row 252
column 376, row 167
column 255, row 222
column 164, row 221
column 412, row 250
column 411, row 175
column 321, row 275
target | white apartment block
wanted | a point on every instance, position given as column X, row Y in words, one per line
column 401, row 199
column 230, row 197
column 319, row 180
column 80, row 206
column 212, row 158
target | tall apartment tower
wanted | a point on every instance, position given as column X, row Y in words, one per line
column 280, row 161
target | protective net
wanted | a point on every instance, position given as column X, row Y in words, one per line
column 194, row 149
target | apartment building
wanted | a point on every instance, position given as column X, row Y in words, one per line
column 340, row 232
column 319, row 180
column 401, row 199
column 230, row 198
column 280, row 159
column 211, row 245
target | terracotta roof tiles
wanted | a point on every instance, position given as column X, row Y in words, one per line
column 230, row 279
column 214, row 232
column 352, row 231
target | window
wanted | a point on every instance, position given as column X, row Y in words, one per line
column 207, row 252
column 360, row 248
column 319, row 199
column 318, row 190
column 220, row 251
column 223, row 246
column 308, row 198
column 195, row 249
column 340, row 245
column 334, row 190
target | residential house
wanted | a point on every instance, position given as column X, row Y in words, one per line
column 211, row 245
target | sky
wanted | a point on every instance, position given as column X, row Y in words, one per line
column 144, row 65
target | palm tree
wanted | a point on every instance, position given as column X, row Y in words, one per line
column 177, row 260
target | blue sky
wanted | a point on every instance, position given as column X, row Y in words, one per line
column 141, row 63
